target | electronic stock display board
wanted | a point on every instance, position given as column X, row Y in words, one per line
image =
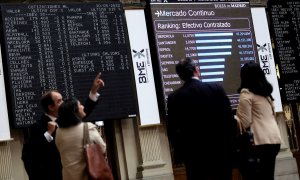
column 218, row 36
column 63, row 47
column 285, row 22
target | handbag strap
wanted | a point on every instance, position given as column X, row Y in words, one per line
column 271, row 103
column 86, row 137
column 241, row 128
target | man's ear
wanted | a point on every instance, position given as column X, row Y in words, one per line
column 51, row 108
column 197, row 72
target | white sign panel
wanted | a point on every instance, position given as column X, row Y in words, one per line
column 143, row 72
column 265, row 52
column 4, row 123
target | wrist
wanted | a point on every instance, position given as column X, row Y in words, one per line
column 94, row 96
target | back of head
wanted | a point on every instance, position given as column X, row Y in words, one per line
column 67, row 113
column 185, row 69
column 254, row 79
column 47, row 100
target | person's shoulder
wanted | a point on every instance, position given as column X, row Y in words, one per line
column 216, row 85
column 245, row 91
column 43, row 120
column 175, row 92
column 172, row 94
column 90, row 125
column 213, row 85
column 41, row 123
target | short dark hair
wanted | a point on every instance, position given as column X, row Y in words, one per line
column 47, row 100
column 254, row 79
column 67, row 113
column 185, row 69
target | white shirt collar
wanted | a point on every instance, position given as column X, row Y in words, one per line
column 51, row 117
column 195, row 77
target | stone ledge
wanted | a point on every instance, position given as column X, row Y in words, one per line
column 286, row 167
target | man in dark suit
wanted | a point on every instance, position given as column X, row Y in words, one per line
column 40, row 155
column 207, row 148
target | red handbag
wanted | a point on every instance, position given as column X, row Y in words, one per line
column 97, row 166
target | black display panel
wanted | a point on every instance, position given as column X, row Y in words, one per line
column 285, row 22
column 219, row 37
column 64, row 46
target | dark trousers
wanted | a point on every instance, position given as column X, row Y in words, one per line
column 265, row 167
column 267, row 155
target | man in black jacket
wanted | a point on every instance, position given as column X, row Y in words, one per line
column 206, row 149
column 40, row 155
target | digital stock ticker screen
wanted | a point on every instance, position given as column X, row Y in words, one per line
column 218, row 36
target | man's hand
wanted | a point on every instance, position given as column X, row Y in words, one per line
column 97, row 84
column 52, row 126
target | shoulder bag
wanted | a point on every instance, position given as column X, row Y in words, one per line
column 97, row 166
column 247, row 160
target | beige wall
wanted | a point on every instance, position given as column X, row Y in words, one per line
column 11, row 165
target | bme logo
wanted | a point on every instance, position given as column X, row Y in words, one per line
column 141, row 66
column 138, row 54
column 264, row 58
column 262, row 47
